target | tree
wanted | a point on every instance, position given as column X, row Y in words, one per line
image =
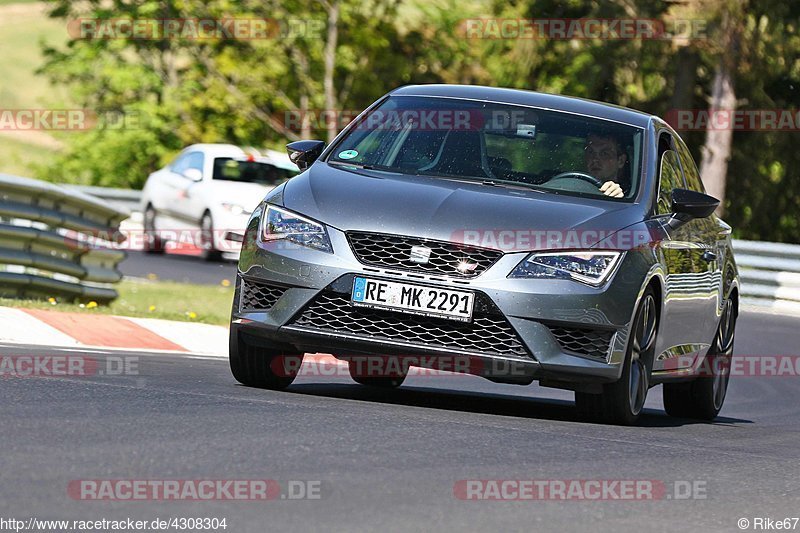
column 242, row 91
column 325, row 55
column 717, row 148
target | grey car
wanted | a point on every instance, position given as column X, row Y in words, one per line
column 509, row 234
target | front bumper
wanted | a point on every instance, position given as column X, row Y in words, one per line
column 559, row 332
column 229, row 229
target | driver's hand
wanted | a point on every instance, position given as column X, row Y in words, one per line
column 612, row 188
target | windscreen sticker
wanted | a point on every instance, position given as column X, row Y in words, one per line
column 348, row 154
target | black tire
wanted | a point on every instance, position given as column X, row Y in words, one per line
column 261, row 366
column 622, row 402
column 210, row 253
column 390, row 381
column 153, row 244
column 703, row 397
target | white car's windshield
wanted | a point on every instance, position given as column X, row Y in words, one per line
column 504, row 144
column 229, row 169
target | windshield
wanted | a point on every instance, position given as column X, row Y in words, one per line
column 226, row 168
column 502, row 144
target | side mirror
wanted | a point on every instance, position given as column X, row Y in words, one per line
column 193, row 174
column 693, row 204
column 304, row 153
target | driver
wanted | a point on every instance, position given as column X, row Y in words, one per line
column 605, row 159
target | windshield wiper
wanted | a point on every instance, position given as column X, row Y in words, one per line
column 512, row 185
column 492, row 183
column 367, row 166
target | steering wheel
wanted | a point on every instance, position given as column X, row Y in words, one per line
column 579, row 175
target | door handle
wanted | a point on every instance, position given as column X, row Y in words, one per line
column 709, row 256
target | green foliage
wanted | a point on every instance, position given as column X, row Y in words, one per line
column 764, row 174
column 240, row 90
column 120, row 152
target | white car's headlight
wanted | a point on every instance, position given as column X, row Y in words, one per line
column 235, row 209
column 280, row 224
column 592, row 268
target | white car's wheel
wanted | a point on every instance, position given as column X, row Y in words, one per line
column 153, row 244
column 210, row 252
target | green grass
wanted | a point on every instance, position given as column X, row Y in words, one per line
column 209, row 304
column 24, row 26
column 17, row 157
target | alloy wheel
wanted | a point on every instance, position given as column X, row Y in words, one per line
column 723, row 352
column 644, row 335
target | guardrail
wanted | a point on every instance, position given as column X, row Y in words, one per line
column 770, row 273
column 48, row 242
column 124, row 199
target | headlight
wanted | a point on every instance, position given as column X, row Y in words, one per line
column 592, row 268
column 234, row 209
column 280, row 224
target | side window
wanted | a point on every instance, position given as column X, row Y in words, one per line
column 671, row 178
column 693, row 180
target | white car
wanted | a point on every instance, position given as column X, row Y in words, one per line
column 206, row 194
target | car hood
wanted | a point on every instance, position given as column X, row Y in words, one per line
column 247, row 195
column 448, row 210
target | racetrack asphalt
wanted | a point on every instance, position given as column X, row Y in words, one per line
column 389, row 460
column 177, row 267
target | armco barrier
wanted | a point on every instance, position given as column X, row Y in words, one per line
column 42, row 249
column 123, row 199
column 770, row 273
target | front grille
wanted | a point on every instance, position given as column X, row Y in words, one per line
column 394, row 251
column 259, row 296
column 486, row 334
column 593, row 343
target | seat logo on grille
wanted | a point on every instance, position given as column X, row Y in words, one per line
column 420, row 254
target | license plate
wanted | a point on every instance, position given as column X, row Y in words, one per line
column 413, row 299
